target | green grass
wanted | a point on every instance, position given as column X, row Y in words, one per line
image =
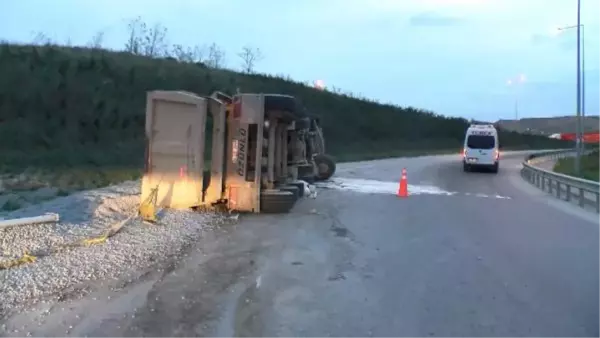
column 74, row 117
column 589, row 167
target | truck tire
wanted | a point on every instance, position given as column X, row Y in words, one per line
column 325, row 167
column 284, row 103
column 276, row 201
column 495, row 168
column 466, row 167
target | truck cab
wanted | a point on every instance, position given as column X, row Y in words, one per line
column 481, row 148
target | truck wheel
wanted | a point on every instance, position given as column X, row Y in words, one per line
column 325, row 166
column 466, row 168
column 495, row 168
column 276, row 201
column 284, row 103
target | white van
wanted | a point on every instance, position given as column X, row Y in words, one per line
column 481, row 148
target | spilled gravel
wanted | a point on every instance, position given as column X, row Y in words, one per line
column 83, row 215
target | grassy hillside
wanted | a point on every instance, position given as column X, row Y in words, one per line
column 589, row 166
column 82, row 109
column 550, row 125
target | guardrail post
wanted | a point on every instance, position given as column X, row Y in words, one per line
column 531, row 176
column 543, row 182
column 538, row 176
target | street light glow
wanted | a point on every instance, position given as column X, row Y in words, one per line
column 514, row 83
column 519, row 79
column 319, row 84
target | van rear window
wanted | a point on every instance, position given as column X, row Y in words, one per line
column 480, row 142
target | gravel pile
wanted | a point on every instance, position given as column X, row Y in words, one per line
column 84, row 215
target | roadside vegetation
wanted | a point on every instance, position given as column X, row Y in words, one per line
column 590, row 169
column 73, row 117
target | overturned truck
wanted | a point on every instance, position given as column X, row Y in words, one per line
column 261, row 152
column 315, row 164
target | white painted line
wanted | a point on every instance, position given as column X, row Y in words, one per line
column 379, row 187
column 258, row 281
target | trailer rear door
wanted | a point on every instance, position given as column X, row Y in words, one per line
column 175, row 131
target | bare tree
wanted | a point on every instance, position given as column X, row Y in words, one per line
column 137, row 31
column 336, row 90
column 216, row 56
column 155, row 44
column 188, row 54
column 40, row 38
column 249, row 56
column 180, row 53
column 97, row 40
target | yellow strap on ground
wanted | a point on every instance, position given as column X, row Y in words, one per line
column 147, row 209
column 94, row 240
column 148, row 212
column 26, row 258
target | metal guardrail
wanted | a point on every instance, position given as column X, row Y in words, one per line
column 585, row 193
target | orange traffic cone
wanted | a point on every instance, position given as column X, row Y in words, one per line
column 403, row 188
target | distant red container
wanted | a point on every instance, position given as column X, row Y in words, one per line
column 587, row 137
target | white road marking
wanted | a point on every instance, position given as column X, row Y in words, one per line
column 378, row 187
column 382, row 187
column 258, row 281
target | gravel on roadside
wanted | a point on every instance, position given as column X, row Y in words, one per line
column 83, row 215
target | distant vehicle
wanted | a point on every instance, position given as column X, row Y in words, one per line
column 555, row 136
column 593, row 137
column 481, row 148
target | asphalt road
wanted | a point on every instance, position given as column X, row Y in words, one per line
column 483, row 255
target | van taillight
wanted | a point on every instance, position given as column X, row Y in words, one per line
column 464, row 152
column 497, row 154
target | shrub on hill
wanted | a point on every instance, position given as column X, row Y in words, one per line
column 66, row 107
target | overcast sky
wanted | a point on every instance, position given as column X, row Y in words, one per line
column 453, row 57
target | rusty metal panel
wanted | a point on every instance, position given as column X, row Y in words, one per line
column 252, row 110
column 175, row 130
column 243, row 185
column 214, row 192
